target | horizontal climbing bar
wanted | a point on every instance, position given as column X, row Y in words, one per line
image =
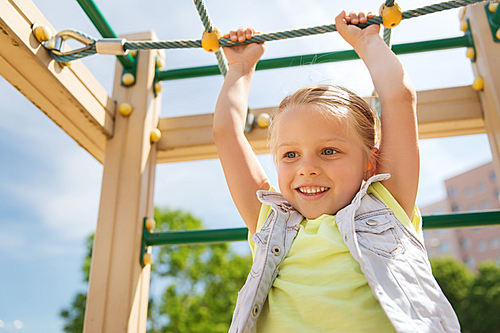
column 194, row 237
column 95, row 15
column 320, row 58
column 462, row 220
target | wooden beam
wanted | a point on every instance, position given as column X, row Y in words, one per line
column 119, row 286
column 70, row 96
column 449, row 112
column 487, row 66
column 442, row 112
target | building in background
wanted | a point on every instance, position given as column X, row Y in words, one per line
column 474, row 190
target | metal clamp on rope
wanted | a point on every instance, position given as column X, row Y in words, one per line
column 56, row 43
column 114, row 46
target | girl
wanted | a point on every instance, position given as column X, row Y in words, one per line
column 340, row 249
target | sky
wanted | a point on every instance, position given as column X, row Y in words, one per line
column 50, row 187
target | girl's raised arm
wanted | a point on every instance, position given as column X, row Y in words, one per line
column 243, row 172
column 399, row 153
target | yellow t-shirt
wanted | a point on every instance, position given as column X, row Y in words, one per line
column 320, row 287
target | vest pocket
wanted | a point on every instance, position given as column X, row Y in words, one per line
column 377, row 234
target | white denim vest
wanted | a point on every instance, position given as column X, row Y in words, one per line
column 392, row 259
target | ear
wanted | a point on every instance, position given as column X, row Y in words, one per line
column 371, row 164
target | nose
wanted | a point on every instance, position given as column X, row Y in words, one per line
column 309, row 166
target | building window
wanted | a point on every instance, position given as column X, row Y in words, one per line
column 495, row 243
column 437, row 211
column 444, row 247
column 441, row 232
column 481, row 188
column 465, row 243
column 456, row 207
column 470, row 261
column 469, row 193
column 472, row 207
column 485, row 204
column 452, row 191
column 493, row 176
column 481, row 246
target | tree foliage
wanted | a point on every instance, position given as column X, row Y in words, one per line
column 474, row 296
column 204, row 281
column 201, row 283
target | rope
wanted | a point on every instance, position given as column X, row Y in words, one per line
column 207, row 23
column 205, row 18
column 221, row 61
column 79, row 55
column 148, row 45
column 387, row 36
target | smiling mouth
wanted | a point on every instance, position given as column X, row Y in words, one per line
column 312, row 190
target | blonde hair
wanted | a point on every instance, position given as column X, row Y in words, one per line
column 338, row 102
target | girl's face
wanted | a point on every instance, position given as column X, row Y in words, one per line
column 320, row 164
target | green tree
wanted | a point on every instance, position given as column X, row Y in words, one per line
column 455, row 280
column 484, row 301
column 474, row 296
column 201, row 283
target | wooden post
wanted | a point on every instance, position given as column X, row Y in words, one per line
column 487, row 66
column 119, row 287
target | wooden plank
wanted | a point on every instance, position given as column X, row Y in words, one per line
column 487, row 66
column 441, row 113
column 449, row 112
column 70, row 96
column 119, row 287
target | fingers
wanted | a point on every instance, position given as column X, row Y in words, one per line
column 341, row 21
column 241, row 35
column 361, row 17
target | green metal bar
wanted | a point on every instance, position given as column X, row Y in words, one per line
column 95, row 15
column 193, row 237
column 320, row 58
column 462, row 220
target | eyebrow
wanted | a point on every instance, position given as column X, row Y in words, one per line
column 330, row 139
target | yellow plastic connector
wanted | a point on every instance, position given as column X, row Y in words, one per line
column 478, row 84
column 155, row 135
column 492, row 6
column 147, row 259
column 263, row 120
column 125, row 109
column 159, row 62
column 464, row 25
column 128, row 79
column 42, row 33
column 157, row 87
column 150, row 224
column 391, row 16
column 470, row 53
column 210, row 40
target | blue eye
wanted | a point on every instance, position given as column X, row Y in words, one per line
column 291, row 154
column 329, row 151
